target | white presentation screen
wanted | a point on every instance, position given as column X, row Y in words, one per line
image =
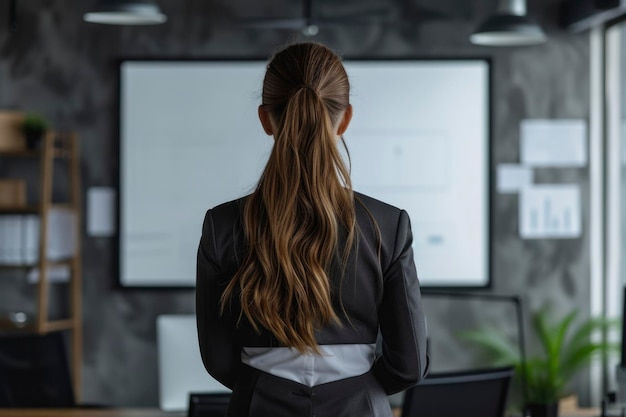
column 190, row 139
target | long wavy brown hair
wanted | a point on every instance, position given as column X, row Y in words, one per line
column 302, row 204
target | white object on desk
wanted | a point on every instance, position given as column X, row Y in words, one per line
column 101, row 211
column 550, row 211
column 553, row 143
column 512, row 178
column 181, row 370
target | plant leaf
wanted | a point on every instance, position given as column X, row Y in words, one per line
column 565, row 351
column 578, row 358
column 549, row 339
column 586, row 330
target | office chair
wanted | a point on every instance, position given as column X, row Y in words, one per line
column 478, row 393
column 34, row 371
column 208, row 404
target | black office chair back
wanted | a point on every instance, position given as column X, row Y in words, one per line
column 478, row 393
column 208, row 404
column 34, row 371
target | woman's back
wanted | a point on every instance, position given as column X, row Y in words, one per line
column 296, row 280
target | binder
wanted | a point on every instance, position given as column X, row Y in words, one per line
column 4, row 238
column 31, row 239
column 20, row 235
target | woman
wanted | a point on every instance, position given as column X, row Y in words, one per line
column 295, row 281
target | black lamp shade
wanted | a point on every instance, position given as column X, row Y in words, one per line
column 126, row 12
column 508, row 30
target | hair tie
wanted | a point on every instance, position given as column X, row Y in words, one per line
column 308, row 87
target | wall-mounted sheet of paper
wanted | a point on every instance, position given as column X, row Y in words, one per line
column 512, row 178
column 553, row 143
column 101, row 219
column 550, row 211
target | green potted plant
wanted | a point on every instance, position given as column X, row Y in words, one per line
column 34, row 127
column 565, row 348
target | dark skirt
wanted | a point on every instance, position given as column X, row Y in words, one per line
column 260, row 394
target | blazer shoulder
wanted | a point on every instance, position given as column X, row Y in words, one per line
column 380, row 210
column 225, row 220
column 374, row 214
column 229, row 210
column 222, row 224
column 380, row 222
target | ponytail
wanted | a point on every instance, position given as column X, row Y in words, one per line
column 293, row 221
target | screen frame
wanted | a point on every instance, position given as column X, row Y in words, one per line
column 118, row 151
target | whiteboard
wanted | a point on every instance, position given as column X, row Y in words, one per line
column 190, row 139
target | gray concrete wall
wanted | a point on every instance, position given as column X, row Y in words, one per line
column 65, row 69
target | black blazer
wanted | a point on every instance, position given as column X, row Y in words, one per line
column 377, row 293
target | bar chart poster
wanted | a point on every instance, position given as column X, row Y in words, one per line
column 550, row 211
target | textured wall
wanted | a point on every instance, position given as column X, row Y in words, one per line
column 65, row 69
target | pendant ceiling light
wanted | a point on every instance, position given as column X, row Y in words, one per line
column 126, row 12
column 510, row 26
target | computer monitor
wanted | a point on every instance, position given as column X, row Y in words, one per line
column 476, row 393
column 181, row 370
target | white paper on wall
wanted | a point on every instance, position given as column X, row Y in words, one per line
column 101, row 217
column 550, row 211
column 553, row 143
column 512, row 178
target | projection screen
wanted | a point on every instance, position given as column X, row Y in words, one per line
column 190, row 139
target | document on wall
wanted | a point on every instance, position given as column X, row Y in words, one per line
column 550, row 211
column 553, row 143
column 512, row 178
column 101, row 206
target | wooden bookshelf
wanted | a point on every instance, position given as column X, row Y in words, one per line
column 55, row 145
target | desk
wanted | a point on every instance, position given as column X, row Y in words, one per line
column 151, row 412
column 77, row 412
column 581, row 412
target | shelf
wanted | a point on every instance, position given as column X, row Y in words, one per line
column 20, row 153
column 63, row 262
column 34, row 209
column 60, row 148
column 55, row 325
column 19, row 210
column 61, row 206
column 49, row 264
column 57, row 153
column 51, row 326
column 10, row 267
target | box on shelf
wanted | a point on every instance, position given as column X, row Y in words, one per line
column 11, row 136
column 12, row 193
